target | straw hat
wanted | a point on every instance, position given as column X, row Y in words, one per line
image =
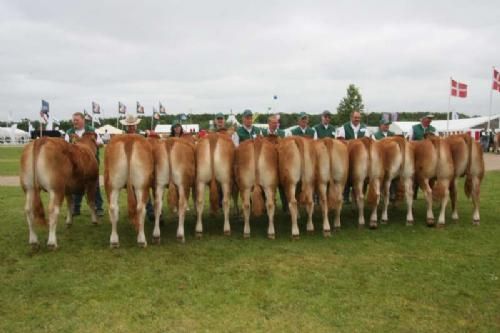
column 130, row 120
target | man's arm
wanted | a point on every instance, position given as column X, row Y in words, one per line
column 340, row 133
column 236, row 139
column 66, row 137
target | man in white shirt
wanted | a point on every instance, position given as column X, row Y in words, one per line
column 353, row 129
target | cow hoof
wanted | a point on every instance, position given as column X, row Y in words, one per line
column 475, row 222
column 142, row 245
column 35, row 247
column 246, row 235
column 156, row 240
column 295, row 237
column 430, row 222
column 199, row 235
column 181, row 239
column 227, row 232
column 52, row 247
column 271, row 236
column 114, row 245
column 384, row 221
column 373, row 225
column 327, row 233
column 409, row 223
column 440, row 225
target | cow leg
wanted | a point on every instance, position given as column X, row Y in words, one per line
column 182, row 213
column 338, row 204
column 69, row 204
column 453, row 199
column 310, row 210
column 386, row 195
column 373, row 216
column 428, row 198
column 226, row 194
column 158, row 198
column 476, row 183
column 245, row 199
column 55, row 201
column 444, row 202
column 408, row 184
column 91, row 189
column 360, row 202
column 322, row 188
column 200, row 201
column 270, row 205
column 114, row 195
column 292, row 206
column 30, row 218
column 141, row 193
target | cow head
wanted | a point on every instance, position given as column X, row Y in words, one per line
column 89, row 139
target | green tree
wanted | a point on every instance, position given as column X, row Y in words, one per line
column 352, row 102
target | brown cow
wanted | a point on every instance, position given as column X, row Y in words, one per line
column 256, row 173
column 174, row 165
column 332, row 170
column 432, row 159
column 496, row 140
column 297, row 163
column 468, row 161
column 214, row 163
column 128, row 162
column 61, row 169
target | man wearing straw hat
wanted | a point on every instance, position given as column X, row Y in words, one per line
column 418, row 131
column 131, row 123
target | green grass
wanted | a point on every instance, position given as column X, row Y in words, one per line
column 396, row 278
column 11, row 155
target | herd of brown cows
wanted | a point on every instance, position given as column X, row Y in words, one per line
column 306, row 170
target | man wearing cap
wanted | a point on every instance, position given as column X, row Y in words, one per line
column 219, row 123
column 303, row 128
column 72, row 135
column 247, row 131
column 383, row 130
column 272, row 128
column 324, row 129
column 353, row 129
column 418, row 131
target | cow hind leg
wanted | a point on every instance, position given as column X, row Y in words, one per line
column 30, row 218
column 245, row 198
column 309, row 210
column 69, row 204
column 226, row 190
column 322, row 188
column 270, row 205
column 453, row 199
column 428, row 198
column 292, row 206
column 141, row 193
column 374, row 193
column 444, row 201
column 360, row 202
column 55, row 201
column 158, row 198
column 408, row 185
column 182, row 214
column 90, row 191
column 476, row 183
column 113, row 210
column 385, row 194
column 338, row 201
column 200, row 201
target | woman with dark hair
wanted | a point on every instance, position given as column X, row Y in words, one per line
column 176, row 131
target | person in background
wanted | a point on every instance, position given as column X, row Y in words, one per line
column 247, row 131
column 383, row 130
column 220, row 123
column 176, row 130
column 325, row 129
column 273, row 128
column 130, row 122
column 418, row 131
column 106, row 137
column 72, row 135
column 353, row 129
column 303, row 128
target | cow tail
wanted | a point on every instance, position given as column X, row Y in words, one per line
column 300, row 145
column 258, row 204
column 38, row 210
column 214, row 193
column 401, row 190
column 438, row 189
column 468, row 174
column 331, row 196
column 131, row 197
column 173, row 193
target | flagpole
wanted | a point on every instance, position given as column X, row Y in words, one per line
column 491, row 102
column 448, row 113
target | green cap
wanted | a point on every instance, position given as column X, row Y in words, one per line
column 427, row 116
column 303, row 115
column 247, row 113
column 385, row 121
column 219, row 115
column 326, row 113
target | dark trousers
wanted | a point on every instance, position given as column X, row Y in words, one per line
column 77, row 200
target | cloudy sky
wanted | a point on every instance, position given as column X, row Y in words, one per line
column 213, row 56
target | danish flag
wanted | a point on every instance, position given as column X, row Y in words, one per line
column 496, row 80
column 458, row 89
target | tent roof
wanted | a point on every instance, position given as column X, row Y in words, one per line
column 440, row 125
column 111, row 130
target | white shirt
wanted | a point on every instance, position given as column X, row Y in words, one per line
column 79, row 133
column 341, row 131
column 236, row 138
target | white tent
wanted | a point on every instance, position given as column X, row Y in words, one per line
column 456, row 125
column 13, row 135
column 109, row 128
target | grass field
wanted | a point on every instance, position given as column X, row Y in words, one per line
column 394, row 279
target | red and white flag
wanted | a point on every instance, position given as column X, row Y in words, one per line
column 458, row 89
column 496, row 80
